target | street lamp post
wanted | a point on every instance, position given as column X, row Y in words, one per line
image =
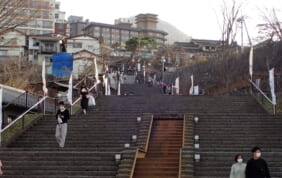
column 163, row 62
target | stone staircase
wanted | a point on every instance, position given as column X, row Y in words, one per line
column 92, row 142
column 223, row 135
column 162, row 158
column 228, row 125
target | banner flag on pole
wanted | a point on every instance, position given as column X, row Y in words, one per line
column 251, row 61
column 1, row 117
column 177, row 86
column 96, row 70
column 44, row 87
column 109, row 90
column 105, row 84
column 191, row 91
column 272, row 87
column 196, row 90
column 69, row 96
column 118, row 92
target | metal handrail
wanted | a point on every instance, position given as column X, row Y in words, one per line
column 265, row 96
column 15, row 99
column 79, row 98
column 23, row 114
column 180, row 164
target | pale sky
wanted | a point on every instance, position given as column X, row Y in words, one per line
column 196, row 18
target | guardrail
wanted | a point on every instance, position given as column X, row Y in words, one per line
column 262, row 97
column 21, row 126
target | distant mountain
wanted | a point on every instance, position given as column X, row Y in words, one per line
column 174, row 34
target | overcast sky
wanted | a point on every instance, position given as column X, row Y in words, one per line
column 196, row 18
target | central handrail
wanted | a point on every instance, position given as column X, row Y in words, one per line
column 265, row 96
column 23, row 114
column 79, row 98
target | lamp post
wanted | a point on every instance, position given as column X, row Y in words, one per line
column 163, row 62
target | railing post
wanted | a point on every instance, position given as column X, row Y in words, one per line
column 274, row 109
column 26, row 97
column 44, row 108
column 71, row 110
column 23, row 123
column 55, row 105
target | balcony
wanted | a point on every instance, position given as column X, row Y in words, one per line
column 49, row 50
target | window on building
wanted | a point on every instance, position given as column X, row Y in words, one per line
column 61, row 26
column 3, row 52
column 57, row 6
column 47, row 24
column 56, row 16
column 48, row 58
column 106, row 29
column 77, row 45
column 45, row 15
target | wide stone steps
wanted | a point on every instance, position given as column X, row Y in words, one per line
column 222, row 136
column 42, row 163
column 91, row 144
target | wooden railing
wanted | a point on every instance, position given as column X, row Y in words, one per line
column 149, row 134
column 134, row 164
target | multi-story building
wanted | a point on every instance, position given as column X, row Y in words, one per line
column 123, row 30
column 77, row 25
column 12, row 45
column 187, row 52
column 43, row 16
column 41, row 47
column 84, row 49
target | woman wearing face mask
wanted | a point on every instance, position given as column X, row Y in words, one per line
column 238, row 168
column 257, row 167
column 84, row 94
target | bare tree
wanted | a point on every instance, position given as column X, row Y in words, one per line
column 230, row 14
column 272, row 26
column 15, row 13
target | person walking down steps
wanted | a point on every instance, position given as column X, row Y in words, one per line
column 84, row 94
column 238, row 168
column 257, row 167
column 62, row 117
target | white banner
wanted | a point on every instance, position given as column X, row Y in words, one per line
column 271, row 84
column 96, row 70
column 109, row 89
column 251, row 61
column 1, row 117
column 44, row 87
column 196, row 90
column 191, row 91
column 177, row 86
column 118, row 92
column 70, row 90
column 139, row 67
column 105, row 85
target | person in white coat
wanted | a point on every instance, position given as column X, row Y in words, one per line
column 238, row 169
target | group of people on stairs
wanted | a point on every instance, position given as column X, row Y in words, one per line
column 63, row 115
column 256, row 167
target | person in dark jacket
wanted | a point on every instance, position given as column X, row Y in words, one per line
column 62, row 117
column 84, row 94
column 257, row 167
